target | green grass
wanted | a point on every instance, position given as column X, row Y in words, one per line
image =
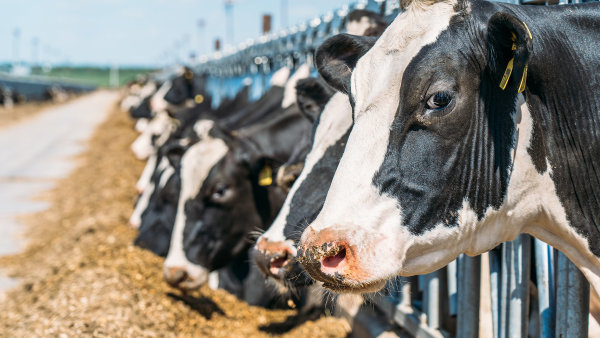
column 97, row 76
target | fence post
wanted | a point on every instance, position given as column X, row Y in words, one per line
column 431, row 302
column 544, row 268
column 495, row 257
column 469, row 270
column 572, row 300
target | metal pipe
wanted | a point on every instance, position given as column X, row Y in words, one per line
column 545, row 285
column 519, row 287
column 469, row 269
column 572, row 300
column 452, row 287
column 432, row 298
column 495, row 265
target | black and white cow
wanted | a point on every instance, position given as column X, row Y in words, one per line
column 226, row 193
column 276, row 248
column 445, row 155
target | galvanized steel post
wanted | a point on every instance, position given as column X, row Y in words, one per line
column 469, row 270
column 572, row 300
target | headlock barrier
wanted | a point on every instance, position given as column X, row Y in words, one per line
column 521, row 288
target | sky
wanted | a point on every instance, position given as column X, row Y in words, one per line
column 135, row 32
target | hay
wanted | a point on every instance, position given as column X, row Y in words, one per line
column 82, row 277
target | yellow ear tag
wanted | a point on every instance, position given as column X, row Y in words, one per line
column 189, row 75
column 528, row 31
column 507, row 73
column 199, row 99
column 523, row 79
column 265, row 176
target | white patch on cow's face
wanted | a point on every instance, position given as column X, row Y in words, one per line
column 166, row 171
column 280, row 77
column 359, row 27
column 135, row 220
column 136, row 97
column 354, row 207
column 289, row 93
column 335, row 120
column 158, row 102
column 162, row 125
column 144, row 179
column 141, row 125
column 195, row 167
column 203, row 127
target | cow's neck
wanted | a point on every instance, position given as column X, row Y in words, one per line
column 563, row 145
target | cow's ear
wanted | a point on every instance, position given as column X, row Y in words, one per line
column 312, row 94
column 174, row 151
column 510, row 44
column 337, row 57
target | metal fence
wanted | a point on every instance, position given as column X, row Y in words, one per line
column 521, row 288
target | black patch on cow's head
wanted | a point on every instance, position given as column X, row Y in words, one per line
column 337, row 57
column 159, row 217
column 453, row 133
column 188, row 85
column 142, row 110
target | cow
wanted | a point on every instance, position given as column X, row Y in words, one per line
column 473, row 122
column 227, row 192
column 276, row 248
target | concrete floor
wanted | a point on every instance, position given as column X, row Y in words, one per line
column 36, row 152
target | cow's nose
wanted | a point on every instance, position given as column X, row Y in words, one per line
column 175, row 275
column 328, row 259
column 272, row 263
column 272, row 257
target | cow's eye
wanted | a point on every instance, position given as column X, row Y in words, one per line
column 439, row 101
column 220, row 191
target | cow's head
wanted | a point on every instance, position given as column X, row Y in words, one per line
column 187, row 86
column 276, row 248
column 429, row 157
column 158, row 215
column 226, row 193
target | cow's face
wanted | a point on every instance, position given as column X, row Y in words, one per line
column 220, row 203
column 221, row 215
column 187, row 86
column 430, row 151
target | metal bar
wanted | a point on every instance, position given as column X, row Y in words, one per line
column 544, row 272
column 495, row 266
column 452, row 287
column 572, row 300
column 519, row 287
column 505, row 259
column 432, row 298
column 469, row 269
column 406, row 317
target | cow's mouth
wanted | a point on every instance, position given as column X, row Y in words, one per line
column 360, row 288
column 277, row 264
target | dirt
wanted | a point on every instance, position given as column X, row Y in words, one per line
column 81, row 276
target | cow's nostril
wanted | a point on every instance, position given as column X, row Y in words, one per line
column 174, row 276
column 334, row 260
